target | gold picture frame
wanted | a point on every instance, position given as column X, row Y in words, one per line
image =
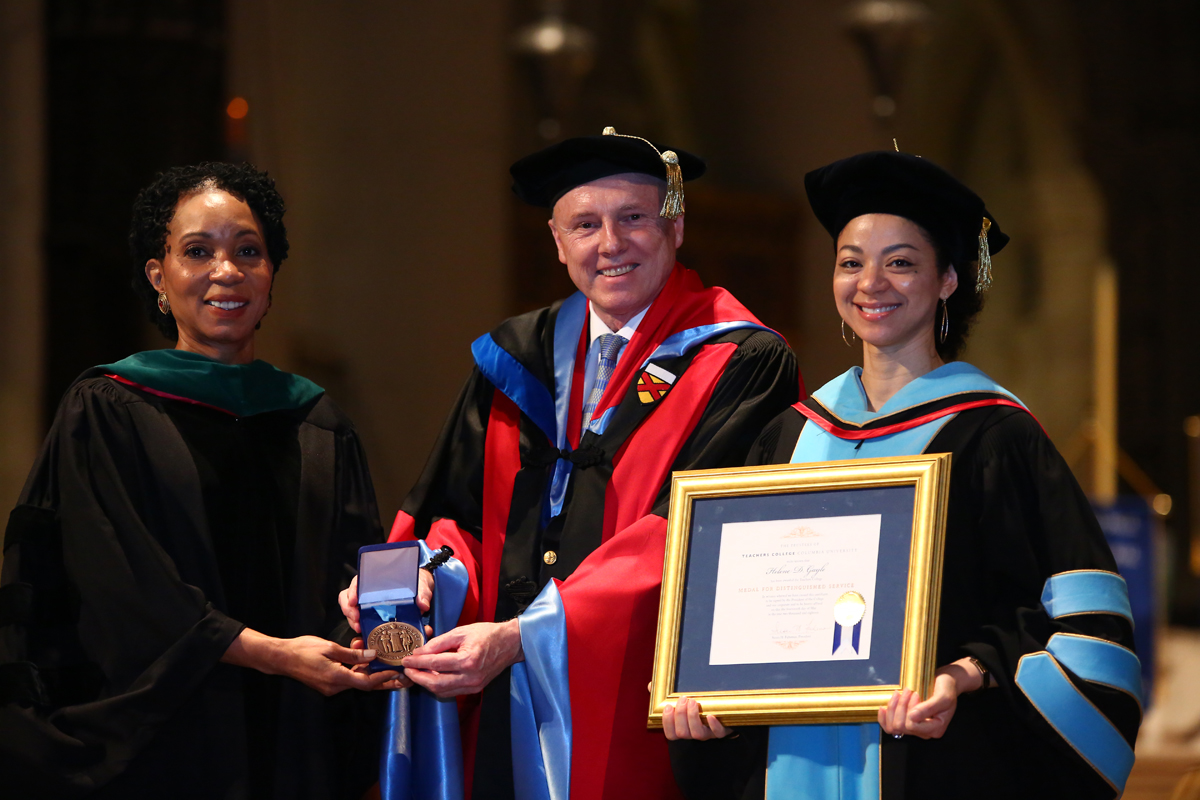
column 929, row 477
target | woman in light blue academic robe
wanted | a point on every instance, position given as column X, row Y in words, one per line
column 1037, row 691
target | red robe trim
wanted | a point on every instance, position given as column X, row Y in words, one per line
column 617, row 588
column 855, row 434
column 166, row 395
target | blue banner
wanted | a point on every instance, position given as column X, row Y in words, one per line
column 1129, row 526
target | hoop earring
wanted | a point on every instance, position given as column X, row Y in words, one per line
column 164, row 305
column 945, row 324
column 853, row 335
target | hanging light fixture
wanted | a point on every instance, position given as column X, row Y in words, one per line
column 558, row 55
column 887, row 31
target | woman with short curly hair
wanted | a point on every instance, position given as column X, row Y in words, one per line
column 168, row 617
column 155, row 207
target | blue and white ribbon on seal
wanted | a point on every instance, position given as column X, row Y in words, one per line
column 848, row 612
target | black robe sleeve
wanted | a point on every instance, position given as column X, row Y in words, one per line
column 451, row 484
column 1018, row 517
column 761, row 378
column 355, row 524
column 113, row 640
column 777, row 441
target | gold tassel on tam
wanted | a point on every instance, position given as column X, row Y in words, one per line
column 983, row 280
column 673, row 203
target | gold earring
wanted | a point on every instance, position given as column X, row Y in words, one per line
column 945, row 323
column 853, row 335
column 164, row 305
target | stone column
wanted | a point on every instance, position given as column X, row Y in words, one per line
column 21, row 227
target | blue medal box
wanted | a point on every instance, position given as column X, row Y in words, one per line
column 387, row 589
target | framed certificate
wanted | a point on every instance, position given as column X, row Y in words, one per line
column 801, row 592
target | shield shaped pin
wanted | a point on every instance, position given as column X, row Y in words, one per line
column 654, row 383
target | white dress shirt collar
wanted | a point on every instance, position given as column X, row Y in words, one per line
column 597, row 327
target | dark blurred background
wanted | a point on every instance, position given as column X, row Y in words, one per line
column 390, row 126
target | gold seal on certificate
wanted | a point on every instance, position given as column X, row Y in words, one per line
column 848, row 613
column 394, row 641
column 849, row 609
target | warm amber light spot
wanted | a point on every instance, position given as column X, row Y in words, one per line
column 1162, row 504
column 238, row 108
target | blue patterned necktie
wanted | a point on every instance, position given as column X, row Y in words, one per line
column 610, row 348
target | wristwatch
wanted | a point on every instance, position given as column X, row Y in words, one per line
column 985, row 676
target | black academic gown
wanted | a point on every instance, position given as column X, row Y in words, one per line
column 149, row 534
column 1016, row 516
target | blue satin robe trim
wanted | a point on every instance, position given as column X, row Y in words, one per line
column 840, row 762
column 599, row 425
column 541, row 702
column 679, row 343
column 1079, row 722
column 517, row 383
column 396, row 754
column 1090, row 591
column 424, row 760
column 568, row 327
column 1099, row 661
column 845, row 396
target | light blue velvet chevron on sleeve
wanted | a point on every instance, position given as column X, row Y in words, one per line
column 1044, row 676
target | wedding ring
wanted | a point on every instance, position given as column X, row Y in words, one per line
column 897, row 735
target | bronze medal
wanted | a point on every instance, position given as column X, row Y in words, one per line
column 394, row 641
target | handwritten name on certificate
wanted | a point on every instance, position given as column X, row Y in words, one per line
column 795, row 590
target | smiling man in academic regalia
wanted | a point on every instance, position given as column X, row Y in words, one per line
column 550, row 478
